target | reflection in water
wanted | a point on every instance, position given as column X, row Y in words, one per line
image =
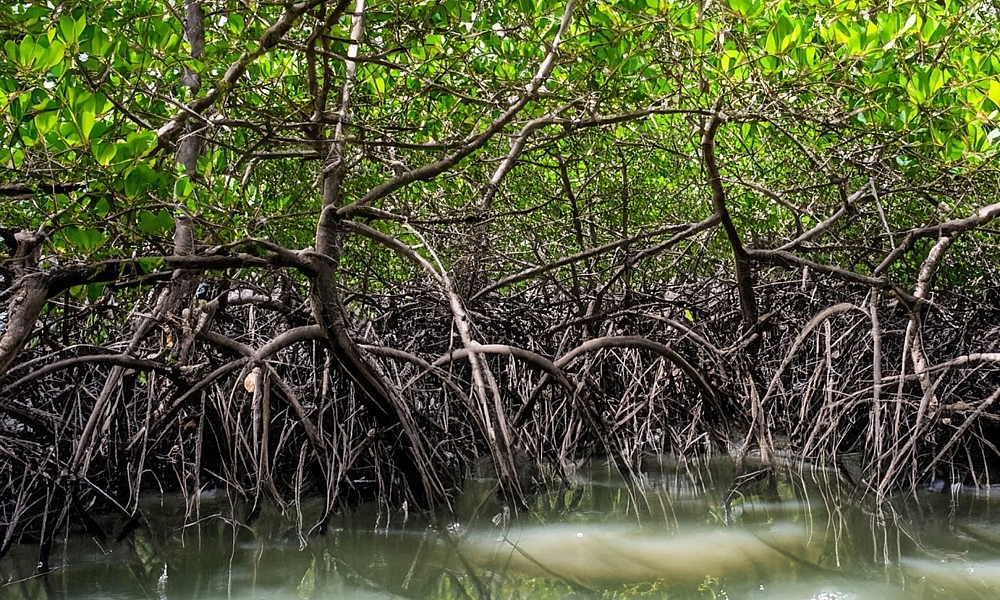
column 600, row 554
column 681, row 529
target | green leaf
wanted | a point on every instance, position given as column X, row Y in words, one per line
column 994, row 92
column 910, row 22
column 52, row 55
column 26, row 51
column 104, row 152
column 69, row 133
column 740, row 6
column 855, row 42
column 67, row 28
column 86, row 117
column 101, row 207
column 236, row 23
column 148, row 265
column 930, row 29
column 935, row 79
column 84, row 239
column 157, row 224
column 183, row 187
column 173, row 42
column 45, row 121
column 10, row 48
column 95, row 291
column 79, row 25
column 914, row 90
column 771, row 43
column 100, row 44
column 137, row 181
column 792, row 38
column 142, row 143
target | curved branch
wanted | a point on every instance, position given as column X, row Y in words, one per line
column 914, row 328
column 965, row 359
column 527, row 356
column 491, row 418
column 430, row 171
column 682, row 231
column 334, row 166
column 175, row 406
column 29, row 298
column 744, row 272
column 684, row 329
column 170, row 130
column 827, row 223
column 630, row 262
column 30, row 189
column 393, row 244
column 254, row 357
column 31, row 292
column 120, row 360
column 952, row 227
column 41, row 420
column 634, row 341
column 287, row 338
column 621, row 342
column 813, row 323
column 413, row 359
column 516, row 148
column 778, row 197
column 958, row 432
column 787, row 259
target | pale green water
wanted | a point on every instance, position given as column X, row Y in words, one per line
column 680, row 531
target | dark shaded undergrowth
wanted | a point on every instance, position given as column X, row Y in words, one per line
column 664, row 370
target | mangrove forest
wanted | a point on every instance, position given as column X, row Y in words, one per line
column 355, row 251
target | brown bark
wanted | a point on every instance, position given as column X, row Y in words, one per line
column 28, row 292
column 170, row 306
column 744, row 270
column 330, row 313
column 29, row 296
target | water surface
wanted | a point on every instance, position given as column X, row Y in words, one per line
column 681, row 529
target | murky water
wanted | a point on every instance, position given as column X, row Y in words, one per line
column 681, row 530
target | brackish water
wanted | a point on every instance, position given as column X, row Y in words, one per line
column 690, row 529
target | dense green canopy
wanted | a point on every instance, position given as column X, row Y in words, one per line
column 822, row 99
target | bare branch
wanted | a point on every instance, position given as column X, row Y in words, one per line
column 787, row 259
column 682, row 231
column 952, row 227
column 393, row 244
column 744, row 274
column 170, row 130
column 829, row 221
column 527, row 356
column 432, row 170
